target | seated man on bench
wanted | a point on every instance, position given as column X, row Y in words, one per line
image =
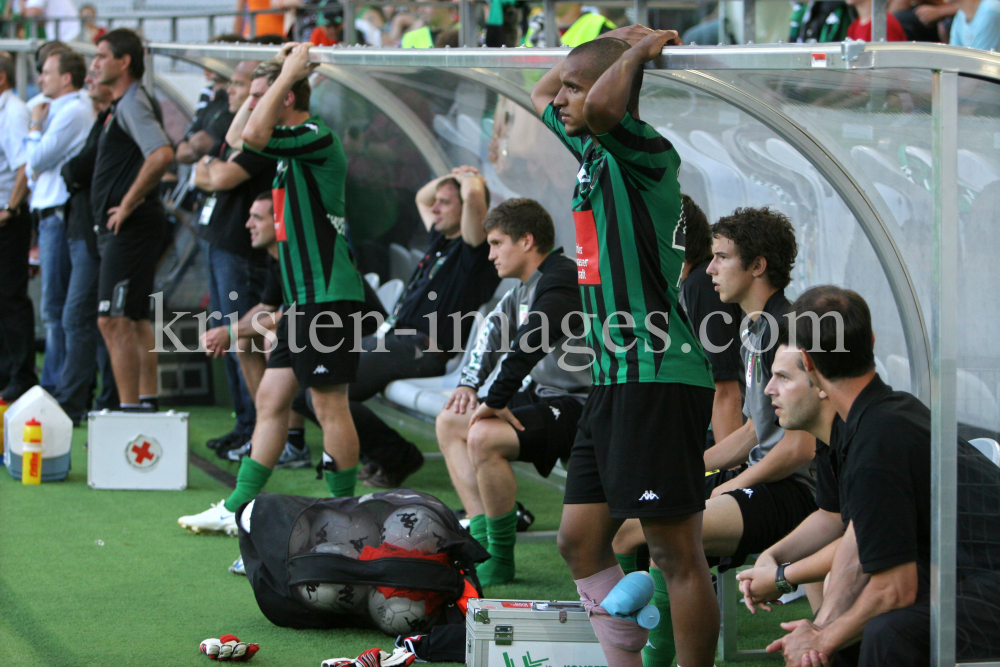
column 531, row 409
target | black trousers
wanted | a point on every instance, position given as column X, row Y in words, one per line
column 17, row 316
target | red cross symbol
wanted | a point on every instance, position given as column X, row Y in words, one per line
column 142, row 453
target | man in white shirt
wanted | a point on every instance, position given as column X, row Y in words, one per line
column 64, row 10
column 58, row 131
column 17, row 336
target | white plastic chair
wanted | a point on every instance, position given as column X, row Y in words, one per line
column 989, row 447
column 373, row 280
column 389, row 293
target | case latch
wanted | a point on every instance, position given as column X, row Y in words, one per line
column 503, row 635
column 562, row 616
column 481, row 616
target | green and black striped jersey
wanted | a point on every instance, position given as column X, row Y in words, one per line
column 630, row 253
column 317, row 265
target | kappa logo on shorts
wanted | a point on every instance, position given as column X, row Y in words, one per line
column 749, row 492
column 649, row 495
column 555, row 411
column 320, row 369
column 104, row 306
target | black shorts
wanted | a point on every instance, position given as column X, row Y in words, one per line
column 128, row 263
column 770, row 511
column 640, row 449
column 549, row 427
column 318, row 365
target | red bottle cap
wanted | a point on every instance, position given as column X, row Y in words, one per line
column 33, row 422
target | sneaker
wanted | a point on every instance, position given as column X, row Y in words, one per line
column 237, row 567
column 227, row 441
column 391, row 480
column 216, row 519
column 367, row 470
column 293, row 457
column 235, row 454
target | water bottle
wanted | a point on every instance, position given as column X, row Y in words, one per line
column 31, row 453
column 3, row 409
column 629, row 599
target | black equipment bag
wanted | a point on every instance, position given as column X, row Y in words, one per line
column 401, row 540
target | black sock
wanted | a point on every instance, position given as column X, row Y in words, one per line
column 154, row 401
column 297, row 437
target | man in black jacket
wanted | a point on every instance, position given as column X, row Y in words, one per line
column 80, row 312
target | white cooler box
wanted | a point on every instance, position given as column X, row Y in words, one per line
column 135, row 450
column 526, row 633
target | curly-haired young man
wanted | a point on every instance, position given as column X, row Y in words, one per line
column 773, row 488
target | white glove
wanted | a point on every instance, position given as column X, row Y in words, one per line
column 230, row 649
column 374, row 657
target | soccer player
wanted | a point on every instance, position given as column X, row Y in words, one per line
column 133, row 153
column 531, row 409
column 320, row 281
column 638, row 453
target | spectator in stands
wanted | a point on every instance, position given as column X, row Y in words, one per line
column 64, row 10
column 816, row 21
column 329, row 27
column 976, row 24
column 17, row 319
column 263, row 24
column 861, row 27
column 233, row 178
column 85, row 350
column 626, row 203
column 877, row 475
column 369, row 25
column 426, row 24
column 133, row 153
column 760, row 486
column 708, row 316
column 89, row 30
column 574, row 25
column 454, row 278
column 923, row 20
column 531, row 409
column 309, row 224
column 58, row 131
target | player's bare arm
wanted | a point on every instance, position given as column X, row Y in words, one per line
column 793, row 451
column 260, row 125
column 609, row 97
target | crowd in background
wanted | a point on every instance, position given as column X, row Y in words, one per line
column 972, row 23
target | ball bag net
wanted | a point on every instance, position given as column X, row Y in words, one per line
column 398, row 560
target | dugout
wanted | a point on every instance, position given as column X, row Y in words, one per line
column 886, row 157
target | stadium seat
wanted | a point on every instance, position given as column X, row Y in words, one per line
column 989, row 447
column 975, row 402
column 389, row 293
column 373, row 280
column 401, row 263
column 881, row 370
column 899, row 372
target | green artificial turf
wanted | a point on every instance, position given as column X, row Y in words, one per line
column 92, row 577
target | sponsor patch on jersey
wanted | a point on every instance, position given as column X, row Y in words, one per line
column 587, row 249
column 278, row 197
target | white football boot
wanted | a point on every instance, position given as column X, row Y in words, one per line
column 216, row 519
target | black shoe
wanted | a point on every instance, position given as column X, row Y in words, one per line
column 384, row 479
column 224, row 443
column 524, row 518
column 12, row 392
column 367, row 470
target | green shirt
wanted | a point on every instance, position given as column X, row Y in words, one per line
column 317, row 265
column 629, row 252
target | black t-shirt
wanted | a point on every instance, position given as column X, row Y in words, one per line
column 213, row 116
column 881, row 459
column 462, row 279
column 77, row 172
column 226, row 228
column 272, row 294
column 700, row 300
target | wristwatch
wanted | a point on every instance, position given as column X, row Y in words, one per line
column 13, row 210
column 779, row 581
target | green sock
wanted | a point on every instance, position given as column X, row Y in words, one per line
column 250, row 479
column 628, row 562
column 477, row 528
column 502, row 532
column 660, row 651
column 341, row 483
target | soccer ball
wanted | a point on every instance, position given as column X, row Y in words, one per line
column 245, row 516
column 298, row 540
column 350, row 533
column 399, row 615
column 333, row 598
column 415, row 527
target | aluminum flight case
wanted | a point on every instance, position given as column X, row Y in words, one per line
column 530, row 633
column 137, row 450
